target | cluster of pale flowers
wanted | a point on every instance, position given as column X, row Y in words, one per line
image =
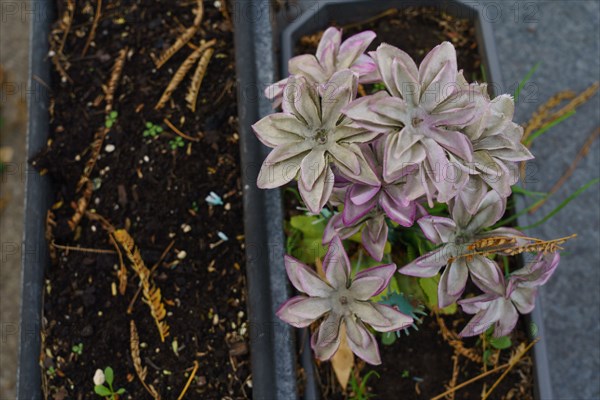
column 430, row 136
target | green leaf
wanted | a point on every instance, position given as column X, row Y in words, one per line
column 121, row 391
column 308, row 250
column 501, row 343
column 113, row 114
column 525, row 80
column 430, row 288
column 102, row 390
column 310, row 226
column 109, row 123
column 109, row 375
column 149, row 125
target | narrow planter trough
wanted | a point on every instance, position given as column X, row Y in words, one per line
column 354, row 13
column 270, row 342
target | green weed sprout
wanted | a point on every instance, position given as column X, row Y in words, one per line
column 175, row 143
column 106, row 376
column 77, row 349
column 111, row 118
column 152, row 130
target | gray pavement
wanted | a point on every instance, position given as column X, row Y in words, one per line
column 564, row 37
column 14, row 35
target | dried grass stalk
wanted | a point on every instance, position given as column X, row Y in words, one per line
column 151, row 293
column 184, row 37
column 81, row 205
column 192, row 95
column 50, row 225
column 114, row 79
column 141, row 371
column 92, row 34
column 182, row 72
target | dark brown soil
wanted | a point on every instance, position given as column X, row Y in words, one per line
column 419, row 366
column 157, row 194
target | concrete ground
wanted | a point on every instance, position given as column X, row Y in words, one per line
column 14, row 35
column 563, row 35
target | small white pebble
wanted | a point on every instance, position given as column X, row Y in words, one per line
column 93, row 228
column 146, row 158
column 109, row 148
column 51, row 53
column 241, row 314
column 227, row 206
column 186, row 228
column 215, row 320
column 182, row 254
column 171, row 235
column 77, row 157
column 217, row 4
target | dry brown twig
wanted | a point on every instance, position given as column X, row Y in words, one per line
column 81, row 249
column 189, row 381
column 184, row 38
column 192, row 95
column 81, row 206
column 50, row 225
column 140, row 370
column 178, row 132
column 151, row 293
column 182, row 72
column 92, row 33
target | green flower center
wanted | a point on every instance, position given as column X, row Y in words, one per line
column 321, row 136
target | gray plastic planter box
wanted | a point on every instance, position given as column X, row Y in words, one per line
column 319, row 15
column 273, row 353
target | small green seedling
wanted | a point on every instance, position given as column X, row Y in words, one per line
column 106, row 390
column 77, row 349
column 51, row 372
column 152, row 130
column 111, row 118
column 175, row 143
column 360, row 392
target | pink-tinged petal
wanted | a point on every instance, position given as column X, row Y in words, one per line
column 396, row 319
column 406, row 80
column 473, row 305
column 455, row 142
column 326, row 340
column 459, row 116
column 452, row 283
column 362, row 342
column 485, row 318
column 353, row 47
column 343, row 155
column 281, row 166
column 397, row 212
column 305, row 279
column 507, row 321
column 316, row 197
column 374, row 237
column 301, row 311
column 437, row 229
column 427, row 265
column 279, row 129
column 353, row 134
column 308, row 66
column 336, row 227
column 366, row 175
column 486, row 274
column 472, row 194
column 490, row 210
column 442, row 87
column 372, row 281
column 391, row 108
column 275, row 90
column 283, row 313
column 524, row 299
column 366, row 69
column 360, row 112
column 360, row 194
column 336, row 264
column 353, row 213
column 384, row 57
column 403, row 155
column 312, row 167
column 336, row 94
column 332, row 37
column 439, row 66
column 537, row 272
column 300, row 98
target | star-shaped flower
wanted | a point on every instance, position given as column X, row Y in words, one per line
column 344, row 300
column 422, row 115
column 332, row 56
column 310, row 135
column 456, row 235
column 502, row 308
